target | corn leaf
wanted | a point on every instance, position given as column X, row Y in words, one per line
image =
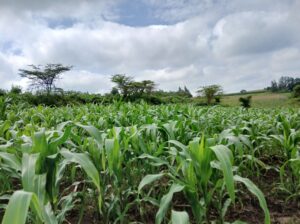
column 260, row 196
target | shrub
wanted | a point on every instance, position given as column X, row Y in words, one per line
column 246, row 101
column 16, row 90
column 296, row 91
column 2, row 92
column 218, row 99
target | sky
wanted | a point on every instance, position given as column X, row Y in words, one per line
column 238, row 44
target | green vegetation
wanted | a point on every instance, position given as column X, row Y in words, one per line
column 245, row 101
column 127, row 89
column 263, row 100
column 123, row 162
column 138, row 154
column 284, row 84
column 209, row 92
column 44, row 78
column 296, row 91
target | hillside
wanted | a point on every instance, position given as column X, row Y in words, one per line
column 262, row 99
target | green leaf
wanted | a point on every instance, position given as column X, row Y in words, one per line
column 112, row 148
column 257, row 192
column 85, row 162
column 60, row 140
column 28, row 171
column 224, row 155
column 11, row 160
column 179, row 217
column 94, row 132
column 17, row 209
column 149, row 179
column 39, row 143
column 165, row 202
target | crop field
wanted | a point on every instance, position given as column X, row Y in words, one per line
column 137, row 163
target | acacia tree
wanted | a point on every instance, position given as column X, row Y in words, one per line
column 148, row 85
column 123, row 82
column 44, row 77
column 210, row 92
column 128, row 87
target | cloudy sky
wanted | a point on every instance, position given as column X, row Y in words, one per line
column 239, row 44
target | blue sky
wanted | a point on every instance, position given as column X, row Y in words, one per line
column 137, row 13
column 239, row 44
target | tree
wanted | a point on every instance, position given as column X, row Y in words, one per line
column 296, row 91
column 123, row 83
column 210, row 92
column 274, row 86
column 187, row 92
column 286, row 83
column 16, row 90
column 148, row 85
column 114, row 91
column 44, row 77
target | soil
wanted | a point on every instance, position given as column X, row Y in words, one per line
column 248, row 211
column 281, row 212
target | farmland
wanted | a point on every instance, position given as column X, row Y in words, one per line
column 139, row 163
column 263, row 99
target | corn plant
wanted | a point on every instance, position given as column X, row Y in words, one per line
column 123, row 163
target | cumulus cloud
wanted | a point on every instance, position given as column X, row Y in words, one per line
column 238, row 44
column 252, row 33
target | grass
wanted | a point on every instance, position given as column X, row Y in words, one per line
column 263, row 100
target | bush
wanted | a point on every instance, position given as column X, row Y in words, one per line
column 16, row 90
column 218, row 99
column 154, row 100
column 246, row 101
column 2, row 92
column 296, row 91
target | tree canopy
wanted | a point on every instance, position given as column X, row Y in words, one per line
column 210, row 92
column 128, row 87
column 284, row 84
column 44, row 77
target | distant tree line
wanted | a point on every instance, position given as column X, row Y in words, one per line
column 43, row 80
column 284, row 84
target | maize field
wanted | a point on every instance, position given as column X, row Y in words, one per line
column 138, row 163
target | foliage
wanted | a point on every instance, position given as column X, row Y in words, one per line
column 132, row 90
column 122, row 82
column 245, row 101
column 285, row 83
column 2, row 92
column 296, row 91
column 44, row 77
column 122, row 163
column 210, row 92
column 16, row 90
column 218, row 99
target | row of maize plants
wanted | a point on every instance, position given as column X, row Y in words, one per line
column 139, row 163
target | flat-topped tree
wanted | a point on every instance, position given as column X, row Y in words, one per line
column 122, row 82
column 148, row 85
column 44, row 77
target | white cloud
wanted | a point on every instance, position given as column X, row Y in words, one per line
column 88, row 81
column 240, row 45
column 252, row 33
